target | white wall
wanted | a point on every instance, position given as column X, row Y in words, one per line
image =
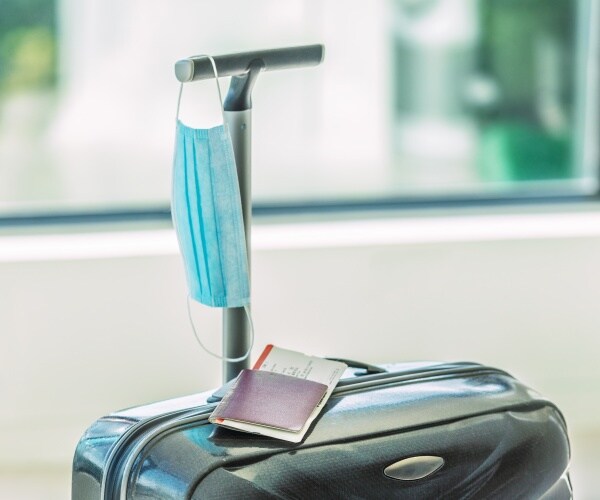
column 95, row 322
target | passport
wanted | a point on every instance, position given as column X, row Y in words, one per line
column 270, row 399
column 281, row 396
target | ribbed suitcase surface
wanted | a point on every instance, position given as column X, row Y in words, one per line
column 457, row 430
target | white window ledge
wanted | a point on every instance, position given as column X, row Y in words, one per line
column 305, row 235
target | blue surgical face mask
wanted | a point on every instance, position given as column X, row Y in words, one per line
column 207, row 215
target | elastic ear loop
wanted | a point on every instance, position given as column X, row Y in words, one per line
column 213, row 354
column 214, row 67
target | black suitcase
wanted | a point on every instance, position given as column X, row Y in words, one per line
column 418, row 430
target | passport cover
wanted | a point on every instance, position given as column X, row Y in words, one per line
column 270, row 399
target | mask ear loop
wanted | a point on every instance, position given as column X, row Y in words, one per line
column 213, row 354
column 189, row 309
column 216, row 73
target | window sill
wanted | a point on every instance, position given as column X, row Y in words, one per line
column 306, row 234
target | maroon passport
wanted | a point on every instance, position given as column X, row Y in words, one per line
column 270, row 399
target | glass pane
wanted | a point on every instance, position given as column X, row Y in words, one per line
column 414, row 98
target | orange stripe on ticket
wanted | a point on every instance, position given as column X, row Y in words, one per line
column 262, row 357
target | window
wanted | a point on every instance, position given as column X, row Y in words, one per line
column 416, row 98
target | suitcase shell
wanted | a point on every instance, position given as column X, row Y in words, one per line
column 495, row 437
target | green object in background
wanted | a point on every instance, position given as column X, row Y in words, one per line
column 529, row 50
column 28, row 45
column 524, row 152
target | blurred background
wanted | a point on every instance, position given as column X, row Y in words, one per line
column 446, row 152
column 440, row 98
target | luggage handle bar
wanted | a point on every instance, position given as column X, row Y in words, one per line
column 200, row 68
column 369, row 369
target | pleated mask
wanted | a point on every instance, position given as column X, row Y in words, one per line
column 207, row 214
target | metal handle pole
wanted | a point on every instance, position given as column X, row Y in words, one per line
column 236, row 327
column 238, row 114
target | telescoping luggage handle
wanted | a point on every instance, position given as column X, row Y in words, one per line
column 243, row 68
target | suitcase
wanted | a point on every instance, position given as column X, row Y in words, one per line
column 415, row 430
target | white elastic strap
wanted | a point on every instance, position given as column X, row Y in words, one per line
column 215, row 355
column 214, row 66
